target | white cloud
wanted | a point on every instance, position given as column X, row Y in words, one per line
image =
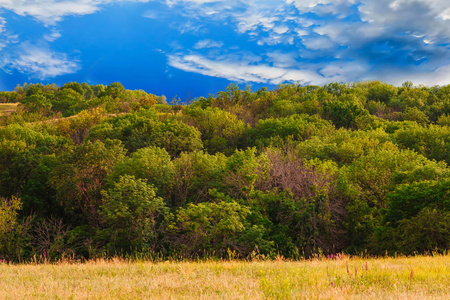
column 151, row 14
column 418, row 17
column 413, row 28
column 301, row 32
column 207, row 44
column 283, row 60
column 241, row 70
column 319, row 6
column 250, row 22
column 281, row 29
column 39, row 63
column 393, row 36
column 2, row 24
column 174, row 2
column 344, row 70
column 318, row 43
column 53, row 36
column 50, row 12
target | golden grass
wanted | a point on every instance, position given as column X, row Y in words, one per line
column 422, row 277
column 8, row 108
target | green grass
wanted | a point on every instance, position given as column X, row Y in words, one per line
column 422, row 277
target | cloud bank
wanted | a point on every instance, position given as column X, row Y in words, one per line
column 40, row 63
column 389, row 40
column 50, row 12
column 270, row 41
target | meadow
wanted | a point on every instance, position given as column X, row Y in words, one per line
column 8, row 108
column 419, row 277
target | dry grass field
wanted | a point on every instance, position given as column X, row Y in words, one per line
column 7, row 108
column 421, row 277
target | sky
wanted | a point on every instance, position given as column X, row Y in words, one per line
column 192, row 48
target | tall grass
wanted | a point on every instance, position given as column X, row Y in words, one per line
column 7, row 108
column 421, row 277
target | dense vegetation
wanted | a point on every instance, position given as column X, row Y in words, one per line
column 94, row 171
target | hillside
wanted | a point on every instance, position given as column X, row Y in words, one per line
column 97, row 171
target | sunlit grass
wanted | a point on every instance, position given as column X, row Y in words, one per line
column 422, row 277
column 7, row 108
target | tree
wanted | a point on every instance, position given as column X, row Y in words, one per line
column 244, row 169
column 343, row 113
column 195, row 173
column 69, row 102
column 131, row 213
column 142, row 129
column 382, row 92
column 80, row 175
column 216, row 125
column 37, row 103
column 206, row 228
column 296, row 128
column 152, row 164
column 13, row 234
column 367, row 182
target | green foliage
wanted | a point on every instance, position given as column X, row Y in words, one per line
column 152, row 164
column 406, row 201
column 141, row 130
column 244, row 170
column 8, row 216
column 215, row 126
column 9, row 97
column 427, row 231
column 295, row 128
column 343, row 146
column 37, row 103
column 22, row 147
column 382, row 92
column 443, row 120
column 370, row 179
column 13, row 234
column 343, row 113
column 130, row 211
column 79, row 177
column 206, row 228
column 414, row 114
column 78, row 127
column 296, row 171
column 195, row 173
column 433, row 141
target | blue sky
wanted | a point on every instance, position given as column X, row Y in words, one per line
column 193, row 48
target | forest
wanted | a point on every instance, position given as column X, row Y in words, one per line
column 95, row 171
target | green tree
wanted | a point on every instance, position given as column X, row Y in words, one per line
column 132, row 214
column 343, row 113
column 206, row 228
column 368, row 181
column 244, row 170
column 14, row 236
column 142, row 129
column 68, row 102
column 296, row 128
column 80, row 175
column 382, row 92
column 216, row 125
column 37, row 103
column 152, row 164
column 195, row 173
